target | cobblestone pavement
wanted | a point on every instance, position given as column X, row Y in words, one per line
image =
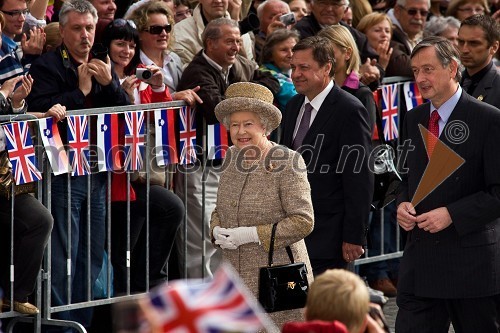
column 390, row 311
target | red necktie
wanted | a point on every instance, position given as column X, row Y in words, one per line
column 434, row 129
column 303, row 127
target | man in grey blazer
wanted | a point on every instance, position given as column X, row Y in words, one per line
column 330, row 128
column 449, row 270
column 478, row 40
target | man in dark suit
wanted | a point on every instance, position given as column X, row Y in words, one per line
column 330, row 128
column 478, row 40
column 449, row 269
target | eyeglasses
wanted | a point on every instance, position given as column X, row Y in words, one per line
column 16, row 13
column 470, row 10
column 120, row 23
column 324, row 3
column 414, row 11
column 157, row 29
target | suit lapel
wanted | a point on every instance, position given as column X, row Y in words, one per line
column 325, row 112
column 420, row 141
column 291, row 120
column 485, row 84
column 458, row 114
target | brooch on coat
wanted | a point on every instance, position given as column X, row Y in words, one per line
column 270, row 167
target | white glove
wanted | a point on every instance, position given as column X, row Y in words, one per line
column 221, row 239
column 217, row 234
column 241, row 235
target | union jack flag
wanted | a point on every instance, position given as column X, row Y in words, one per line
column 390, row 111
column 187, row 135
column 135, row 140
column 221, row 305
column 78, row 141
column 21, row 153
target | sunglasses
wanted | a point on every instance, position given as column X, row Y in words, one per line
column 157, row 29
column 120, row 23
column 413, row 11
column 16, row 13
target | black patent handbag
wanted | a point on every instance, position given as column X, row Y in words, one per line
column 282, row 287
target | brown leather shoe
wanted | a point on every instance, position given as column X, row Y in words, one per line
column 385, row 286
column 23, row 308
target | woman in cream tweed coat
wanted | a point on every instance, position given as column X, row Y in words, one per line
column 262, row 183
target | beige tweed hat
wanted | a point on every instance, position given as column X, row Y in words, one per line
column 247, row 96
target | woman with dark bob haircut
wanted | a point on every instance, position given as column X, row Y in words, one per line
column 166, row 210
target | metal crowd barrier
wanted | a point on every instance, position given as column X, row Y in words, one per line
column 367, row 258
column 43, row 288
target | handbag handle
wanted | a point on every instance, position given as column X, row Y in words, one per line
column 271, row 248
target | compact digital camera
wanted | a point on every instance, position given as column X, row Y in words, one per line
column 143, row 74
column 288, row 19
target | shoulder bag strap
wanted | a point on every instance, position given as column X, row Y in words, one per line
column 271, row 248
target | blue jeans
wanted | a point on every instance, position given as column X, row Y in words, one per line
column 386, row 268
column 79, row 237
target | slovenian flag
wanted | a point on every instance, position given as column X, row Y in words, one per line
column 165, row 142
column 108, row 148
column 53, row 146
column 413, row 97
column 217, row 141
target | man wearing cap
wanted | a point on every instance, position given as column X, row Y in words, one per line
column 331, row 130
column 213, row 69
column 478, row 41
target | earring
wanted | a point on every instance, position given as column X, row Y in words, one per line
column 264, row 135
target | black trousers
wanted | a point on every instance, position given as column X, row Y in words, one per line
column 166, row 214
column 32, row 227
column 429, row 315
